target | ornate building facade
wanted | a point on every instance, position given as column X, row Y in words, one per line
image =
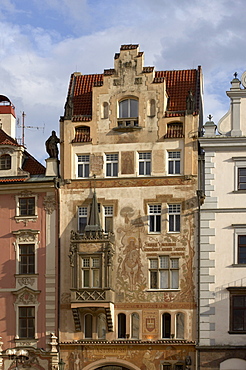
column 222, row 298
column 128, row 207
column 28, row 242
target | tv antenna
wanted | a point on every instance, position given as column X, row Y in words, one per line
column 23, row 126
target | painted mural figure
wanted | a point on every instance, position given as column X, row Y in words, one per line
column 131, row 266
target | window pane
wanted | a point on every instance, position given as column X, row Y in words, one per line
column 174, row 279
column 141, row 168
column 115, row 169
column 180, row 325
column 171, row 223
column 108, row 224
column 148, row 168
column 153, row 263
column 123, row 109
column 158, row 223
column 153, row 280
column 164, row 279
column 135, row 325
column 133, row 108
column 86, row 278
column 101, row 326
column 96, row 282
column 164, row 262
column 170, row 167
column 121, row 325
column 177, row 167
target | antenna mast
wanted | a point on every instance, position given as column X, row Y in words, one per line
column 23, row 128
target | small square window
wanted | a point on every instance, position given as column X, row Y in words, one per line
column 83, row 165
column 112, row 165
column 174, row 163
column 174, row 211
column 144, row 164
column 154, row 216
column 27, row 206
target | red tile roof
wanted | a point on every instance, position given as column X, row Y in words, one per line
column 178, row 85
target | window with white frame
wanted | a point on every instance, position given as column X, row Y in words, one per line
column 163, row 272
column 128, row 108
column 174, row 211
column 239, row 244
column 154, row 216
column 112, row 165
column 26, row 322
column 82, row 218
column 27, row 206
column 242, row 178
column 174, row 163
column 108, row 218
column 26, row 259
column 83, row 169
column 144, row 163
column 5, row 162
column 91, row 271
column 239, row 173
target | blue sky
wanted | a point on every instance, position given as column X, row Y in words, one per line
column 43, row 42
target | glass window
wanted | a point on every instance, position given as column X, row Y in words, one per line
column 128, row 108
column 174, row 211
column 83, row 165
column 180, row 325
column 164, row 273
column 91, row 272
column 166, row 325
column 108, row 219
column 26, row 259
column 241, row 178
column 27, row 322
column 5, row 162
column 27, row 206
column 112, row 165
column 242, row 249
column 82, row 218
column 144, row 163
column 173, row 163
column 154, row 218
column 88, row 326
column 121, row 325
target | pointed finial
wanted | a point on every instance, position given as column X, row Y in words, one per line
column 235, row 75
column 210, row 117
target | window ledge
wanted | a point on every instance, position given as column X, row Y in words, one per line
column 127, row 128
column 237, row 332
column 239, row 265
column 26, row 219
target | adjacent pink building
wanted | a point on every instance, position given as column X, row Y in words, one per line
column 28, row 250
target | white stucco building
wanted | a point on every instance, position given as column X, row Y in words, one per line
column 222, row 278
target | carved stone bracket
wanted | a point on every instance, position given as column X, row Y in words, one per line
column 49, row 204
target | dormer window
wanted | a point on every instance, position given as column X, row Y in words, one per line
column 128, row 113
column 5, row 162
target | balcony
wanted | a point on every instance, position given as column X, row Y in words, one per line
column 127, row 124
column 89, row 296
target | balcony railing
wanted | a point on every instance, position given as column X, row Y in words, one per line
column 127, row 124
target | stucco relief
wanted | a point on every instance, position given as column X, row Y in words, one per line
column 25, row 281
column 75, row 360
column 49, row 204
column 149, row 359
column 66, row 298
column 26, row 297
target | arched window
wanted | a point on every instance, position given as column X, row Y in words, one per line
column 180, row 325
column 121, row 325
column 166, row 325
column 88, row 326
column 128, row 108
column 5, row 162
column 105, row 110
column 101, row 326
column 134, row 325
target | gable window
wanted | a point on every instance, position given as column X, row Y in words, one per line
column 26, row 259
column 5, row 162
column 83, row 165
column 128, row 113
column 166, row 325
column 144, row 163
column 174, row 163
column 164, row 273
column 91, row 272
column 82, row 218
column 154, row 218
column 121, row 325
column 237, row 310
column 174, row 211
column 27, row 206
column 27, row 322
column 108, row 219
column 112, row 165
column 241, row 178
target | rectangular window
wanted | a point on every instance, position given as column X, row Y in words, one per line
column 82, row 218
column 27, row 206
column 174, row 211
column 112, row 165
column 173, row 163
column 26, row 259
column 242, row 249
column 144, row 163
column 83, row 165
column 164, row 273
column 91, row 272
column 237, row 310
column 241, row 178
column 27, row 322
column 108, row 219
column 154, row 218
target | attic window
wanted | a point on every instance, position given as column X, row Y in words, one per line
column 128, row 113
column 174, row 130
column 5, row 162
column 82, row 134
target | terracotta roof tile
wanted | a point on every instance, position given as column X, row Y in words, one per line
column 32, row 166
column 178, row 85
column 13, row 179
column 5, row 139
